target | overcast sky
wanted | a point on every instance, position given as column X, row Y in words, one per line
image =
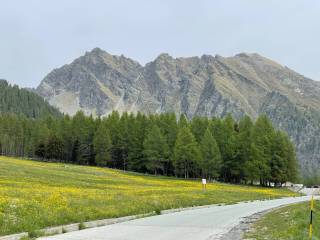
column 39, row 35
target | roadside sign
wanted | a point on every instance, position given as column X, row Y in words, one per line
column 204, row 184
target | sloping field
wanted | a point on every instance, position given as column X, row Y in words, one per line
column 34, row 195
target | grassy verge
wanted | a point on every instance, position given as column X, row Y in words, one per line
column 287, row 223
column 34, row 195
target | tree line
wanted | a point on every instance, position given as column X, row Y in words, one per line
column 224, row 149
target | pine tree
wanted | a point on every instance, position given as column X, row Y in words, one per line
column 283, row 162
column 263, row 133
column 155, row 150
column 65, row 131
column 102, row 145
column 54, row 148
column 211, row 158
column 186, row 154
column 224, row 132
column 246, row 150
column 169, row 127
column 251, row 167
column 83, row 131
column 123, row 143
column 112, row 122
column 278, row 159
column 40, row 151
column 136, row 161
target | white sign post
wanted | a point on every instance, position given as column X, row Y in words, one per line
column 204, row 184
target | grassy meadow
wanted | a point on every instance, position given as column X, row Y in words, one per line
column 287, row 223
column 34, row 195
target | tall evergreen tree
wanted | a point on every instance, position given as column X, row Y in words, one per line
column 211, row 158
column 246, row 151
column 136, row 161
column 102, row 145
column 123, row 141
column 278, row 159
column 112, row 122
column 186, row 154
column 54, row 148
column 283, row 162
column 224, row 132
column 83, row 131
column 251, row 167
column 263, row 134
column 155, row 150
column 169, row 127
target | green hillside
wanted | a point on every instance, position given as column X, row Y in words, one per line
column 21, row 101
column 34, row 194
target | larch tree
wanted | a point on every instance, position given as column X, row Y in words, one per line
column 102, row 145
column 263, row 134
column 246, row 152
column 211, row 160
column 155, row 150
column 186, row 154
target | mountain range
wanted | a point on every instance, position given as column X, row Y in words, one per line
column 98, row 83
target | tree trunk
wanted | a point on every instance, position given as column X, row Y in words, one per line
column 185, row 172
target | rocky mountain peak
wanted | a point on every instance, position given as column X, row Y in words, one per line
column 247, row 55
column 97, row 50
column 207, row 58
column 246, row 83
column 163, row 57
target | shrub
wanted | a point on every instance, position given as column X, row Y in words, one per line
column 82, row 226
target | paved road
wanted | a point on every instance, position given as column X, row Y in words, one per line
column 199, row 224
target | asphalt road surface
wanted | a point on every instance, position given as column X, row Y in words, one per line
column 198, row 224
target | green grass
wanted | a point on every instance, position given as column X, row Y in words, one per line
column 34, row 195
column 287, row 223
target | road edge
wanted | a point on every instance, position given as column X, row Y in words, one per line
column 50, row 231
column 237, row 232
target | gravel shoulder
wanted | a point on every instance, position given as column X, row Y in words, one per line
column 237, row 233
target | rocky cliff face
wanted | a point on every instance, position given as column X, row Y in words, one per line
column 98, row 83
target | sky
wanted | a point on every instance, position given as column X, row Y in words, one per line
column 37, row 36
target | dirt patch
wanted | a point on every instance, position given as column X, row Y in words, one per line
column 237, row 233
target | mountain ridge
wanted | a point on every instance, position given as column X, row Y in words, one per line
column 246, row 83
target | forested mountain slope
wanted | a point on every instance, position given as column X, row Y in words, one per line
column 99, row 82
column 21, row 101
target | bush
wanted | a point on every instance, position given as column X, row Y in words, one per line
column 158, row 211
column 35, row 234
column 82, row 226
